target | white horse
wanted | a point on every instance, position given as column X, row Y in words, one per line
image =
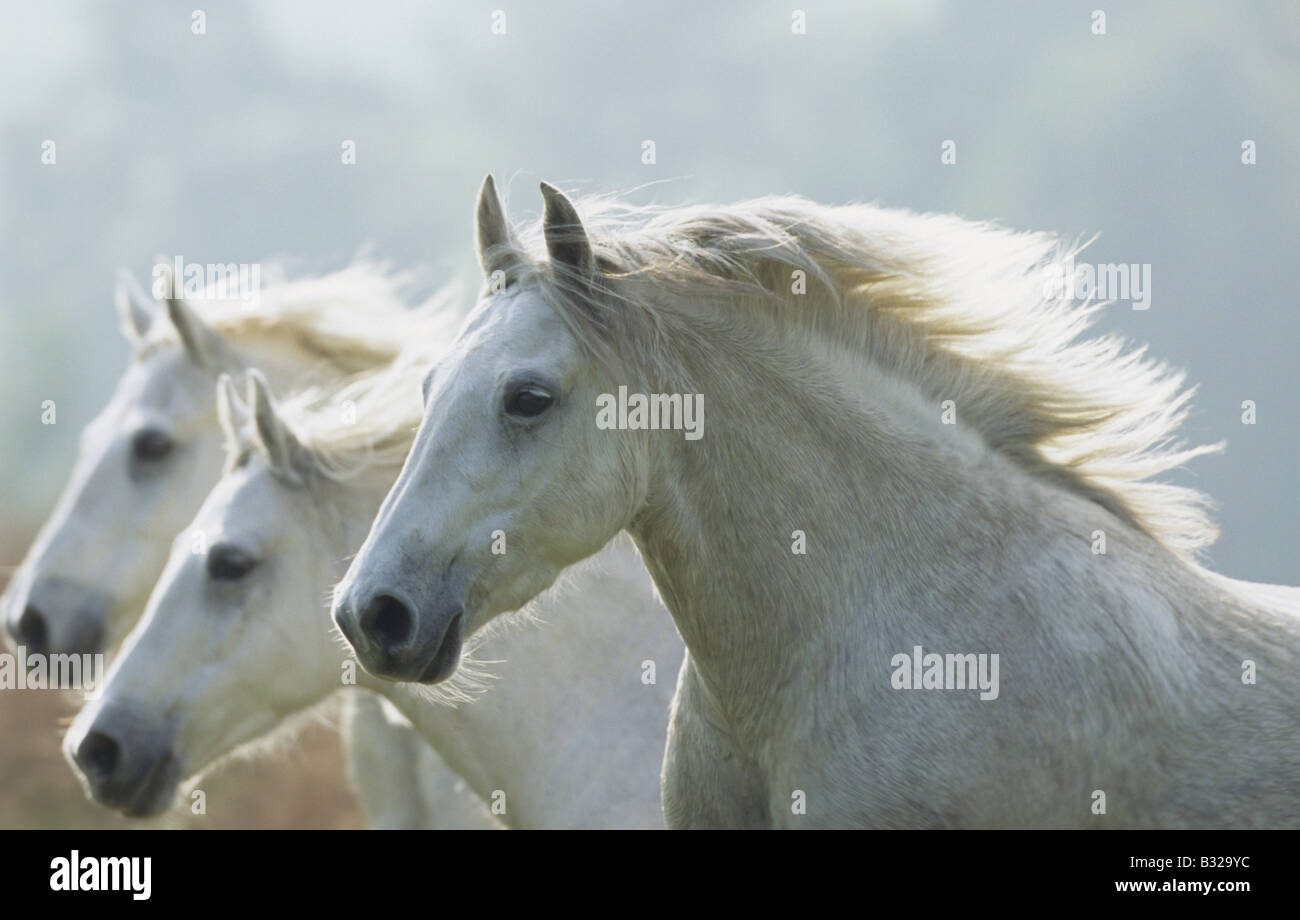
column 910, row 465
column 236, row 641
column 148, row 459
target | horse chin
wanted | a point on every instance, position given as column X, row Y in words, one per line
column 155, row 792
column 447, row 658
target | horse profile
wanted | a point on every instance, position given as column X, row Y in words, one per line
column 154, row 451
column 562, row 728
column 908, row 447
column 147, row 459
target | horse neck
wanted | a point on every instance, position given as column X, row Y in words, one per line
column 899, row 511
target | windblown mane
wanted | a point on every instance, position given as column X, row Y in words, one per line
column 366, row 426
column 355, row 318
column 961, row 309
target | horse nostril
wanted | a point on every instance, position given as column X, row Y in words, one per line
column 387, row 622
column 32, row 632
column 98, row 754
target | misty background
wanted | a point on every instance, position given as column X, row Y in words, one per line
column 226, row 147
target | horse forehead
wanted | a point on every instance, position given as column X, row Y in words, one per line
column 528, row 331
column 167, row 383
column 506, row 332
column 246, row 505
column 148, row 392
column 522, row 313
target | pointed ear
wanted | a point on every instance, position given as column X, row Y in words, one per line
column 272, row 434
column 201, row 343
column 494, row 240
column 232, row 412
column 136, row 310
column 566, row 238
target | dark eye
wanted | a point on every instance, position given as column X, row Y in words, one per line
column 528, row 400
column 225, row 563
column 150, row 445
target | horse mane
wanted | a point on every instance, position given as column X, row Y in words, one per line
column 366, row 425
column 354, row 318
column 959, row 308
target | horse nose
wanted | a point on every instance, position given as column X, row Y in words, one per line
column 388, row 623
column 98, row 756
column 31, row 631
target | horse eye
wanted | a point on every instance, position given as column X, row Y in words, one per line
column 528, row 401
column 225, row 563
column 150, row 445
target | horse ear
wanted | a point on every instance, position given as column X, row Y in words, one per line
column 494, row 240
column 566, row 239
column 231, row 410
column 278, row 442
column 201, row 343
column 136, row 310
